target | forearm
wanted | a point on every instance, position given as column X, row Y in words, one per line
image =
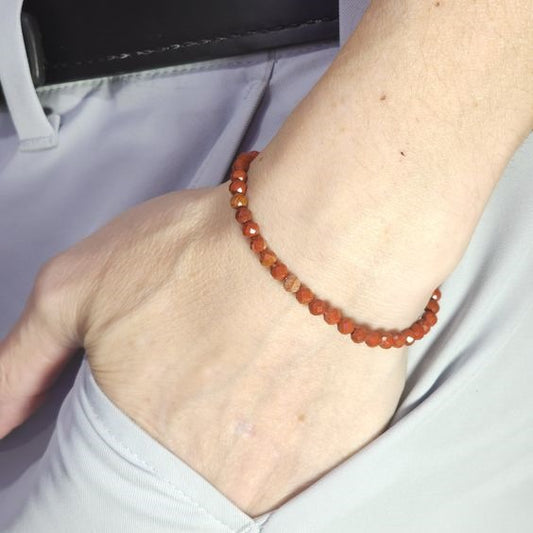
column 412, row 124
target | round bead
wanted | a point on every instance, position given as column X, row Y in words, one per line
column 304, row 295
column 398, row 340
column 239, row 200
column 373, row 338
column 386, row 340
column 418, row 331
column 359, row 334
column 279, row 271
column 332, row 315
column 243, row 214
column 257, row 244
column 436, row 295
column 409, row 339
column 291, row 283
column 424, row 325
column 430, row 318
column 238, row 175
column 433, row 306
column 237, row 186
column 241, row 163
column 268, row 257
column 317, row 307
column 346, row 326
column 250, row 228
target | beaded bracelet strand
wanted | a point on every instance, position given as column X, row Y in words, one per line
column 317, row 306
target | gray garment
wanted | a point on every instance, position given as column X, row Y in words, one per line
column 456, row 457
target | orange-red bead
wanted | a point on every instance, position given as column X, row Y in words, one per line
column 291, row 283
column 386, row 340
column 257, row 244
column 430, row 318
column 436, row 295
column 373, row 338
column 237, row 186
column 409, row 338
column 317, row 306
column 279, row 271
column 240, row 164
column 433, row 306
column 238, row 200
column 398, row 340
column 238, row 175
column 418, row 331
column 250, row 228
column 242, row 215
column 359, row 334
column 332, row 315
column 304, row 295
column 424, row 325
column 268, row 257
column 345, row 326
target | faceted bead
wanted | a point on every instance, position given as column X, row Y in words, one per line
column 430, row 318
column 436, row 295
column 279, row 271
column 359, row 334
column 346, row 326
column 238, row 175
column 398, row 340
column 304, row 295
column 424, row 325
column 332, row 315
column 238, row 200
column 418, row 331
column 250, row 228
column 373, row 338
column 386, row 340
column 243, row 214
column 237, row 186
column 257, row 244
column 409, row 339
column 291, row 283
column 433, row 306
column 241, row 163
column 317, row 307
column 268, row 257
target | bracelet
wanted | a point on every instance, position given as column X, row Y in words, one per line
column 317, row 306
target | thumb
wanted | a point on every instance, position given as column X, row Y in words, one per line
column 35, row 351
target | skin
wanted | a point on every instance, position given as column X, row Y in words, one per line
column 370, row 193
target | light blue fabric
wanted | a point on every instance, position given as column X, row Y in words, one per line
column 456, row 458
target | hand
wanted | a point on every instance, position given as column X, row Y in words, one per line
column 170, row 305
column 188, row 335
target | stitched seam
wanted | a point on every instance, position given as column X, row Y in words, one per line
column 153, row 470
column 175, row 70
column 148, row 74
column 187, row 44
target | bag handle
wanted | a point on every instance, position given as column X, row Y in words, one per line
column 36, row 130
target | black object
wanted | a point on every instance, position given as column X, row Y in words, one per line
column 104, row 37
column 34, row 50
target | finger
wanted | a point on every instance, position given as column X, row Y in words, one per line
column 33, row 355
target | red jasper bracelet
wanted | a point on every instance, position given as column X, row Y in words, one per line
column 371, row 337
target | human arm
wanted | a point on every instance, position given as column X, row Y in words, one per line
column 336, row 387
